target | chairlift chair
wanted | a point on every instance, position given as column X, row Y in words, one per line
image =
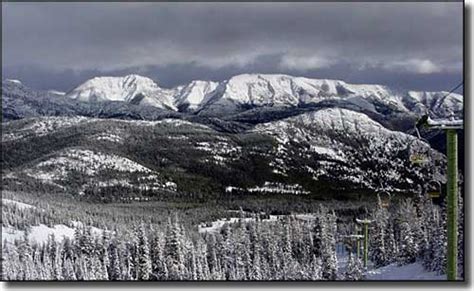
column 385, row 198
column 417, row 154
column 434, row 189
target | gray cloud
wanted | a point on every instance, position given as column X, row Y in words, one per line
column 65, row 42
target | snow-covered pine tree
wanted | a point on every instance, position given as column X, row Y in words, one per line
column 203, row 266
column 328, row 255
column 316, row 271
column 54, row 254
column 354, row 269
column 68, row 272
column 408, row 248
column 173, row 251
column 439, row 244
column 81, row 268
column 157, row 259
column 391, row 246
column 378, row 237
column 115, row 273
column 409, row 229
column 127, row 264
column 318, row 236
column 429, row 227
column 287, row 267
column 84, row 241
column 143, row 254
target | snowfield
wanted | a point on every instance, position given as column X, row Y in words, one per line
column 40, row 233
column 90, row 162
column 414, row 271
column 17, row 204
column 133, row 89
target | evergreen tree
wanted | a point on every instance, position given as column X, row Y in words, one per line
column 68, row 271
column 328, row 254
column 353, row 269
column 174, row 252
column 408, row 247
column 316, row 271
column 378, row 238
column 115, row 272
column 143, row 255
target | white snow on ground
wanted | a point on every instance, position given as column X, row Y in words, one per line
column 218, row 224
column 109, row 137
column 270, row 187
column 413, row 271
column 19, row 205
column 40, row 233
column 83, row 160
column 55, row 92
column 44, row 126
column 327, row 151
column 215, row 226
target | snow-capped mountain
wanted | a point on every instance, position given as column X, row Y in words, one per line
column 250, row 91
column 258, row 90
column 132, row 89
column 247, row 91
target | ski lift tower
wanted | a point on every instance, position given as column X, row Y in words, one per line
column 365, row 222
column 450, row 126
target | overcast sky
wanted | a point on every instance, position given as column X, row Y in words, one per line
column 407, row 45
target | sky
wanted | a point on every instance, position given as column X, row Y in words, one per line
column 409, row 45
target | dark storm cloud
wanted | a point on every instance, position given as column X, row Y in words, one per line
column 60, row 44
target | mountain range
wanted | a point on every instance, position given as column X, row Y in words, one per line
column 247, row 91
column 127, row 134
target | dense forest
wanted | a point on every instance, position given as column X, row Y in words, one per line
column 255, row 248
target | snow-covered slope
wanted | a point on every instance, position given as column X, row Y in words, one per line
column 192, row 95
column 34, row 127
column 248, row 91
column 132, row 89
column 435, row 102
column 260, row 90
column 414, row 271
column 346, row 145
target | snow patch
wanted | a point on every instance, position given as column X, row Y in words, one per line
column 86, row 161
column 414, row 271
column 19, row 205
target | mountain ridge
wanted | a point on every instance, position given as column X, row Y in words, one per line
column 245, row 91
